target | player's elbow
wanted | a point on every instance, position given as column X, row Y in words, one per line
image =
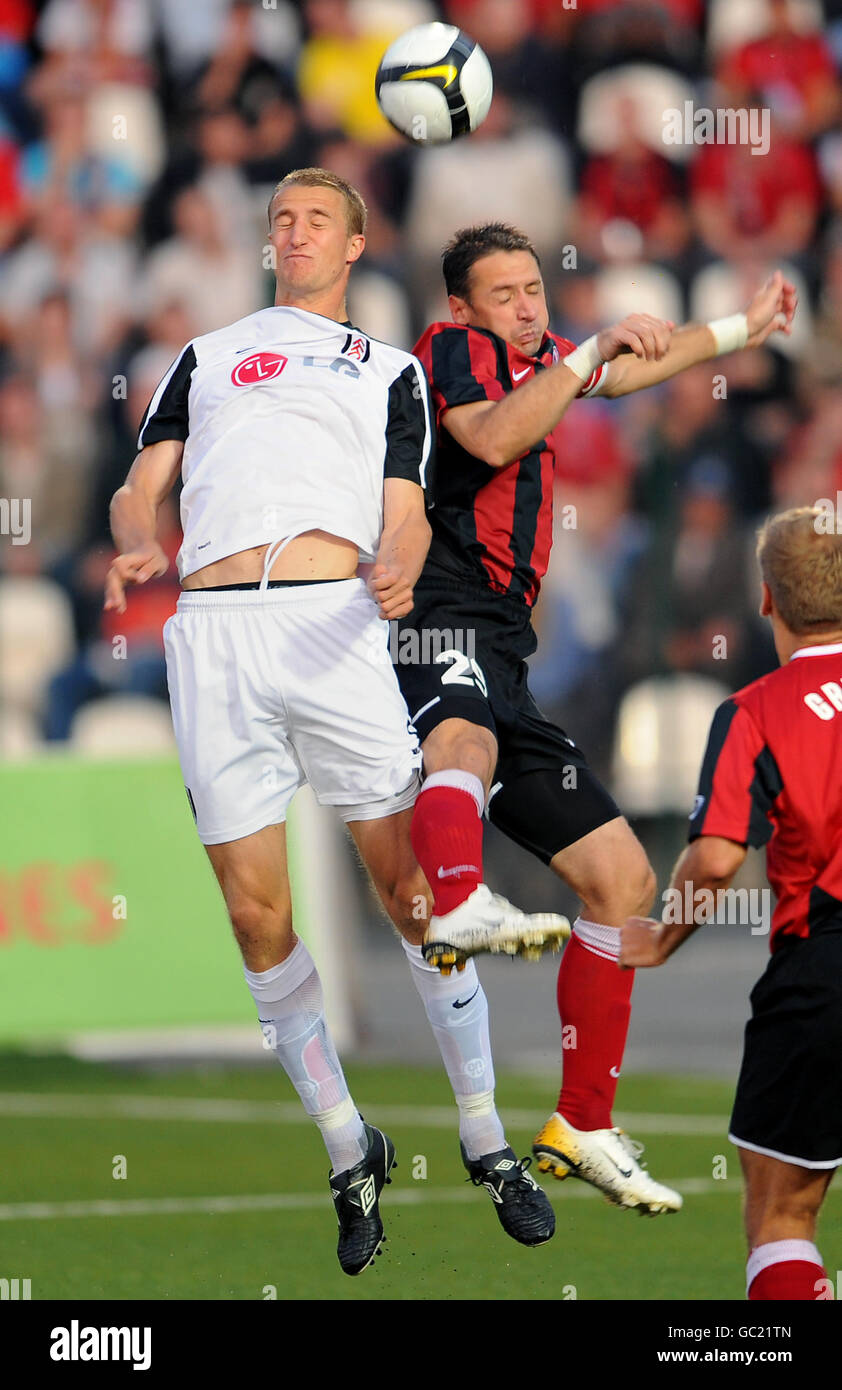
column 715, row 860
column 119, row 500
column 485, row 444
column 490, row 451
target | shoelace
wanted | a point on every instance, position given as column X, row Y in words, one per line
column 633, row 1147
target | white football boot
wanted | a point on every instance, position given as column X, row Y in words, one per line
column 606, row 1158
column 485, row 923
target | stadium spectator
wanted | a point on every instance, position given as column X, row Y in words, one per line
column 12, row 208
column 63, row 164
column 791, row 72
column 66, row 251
column 828, row 330
column 662, row 31
column 44, row 457
column 239, row 73
column 690, row 605
column 532, row 70
column 98, row 38
column 197, row 257
column 125, row 655
column 811, row 463
column 753, row 207
column 598, row 542
column 336, row 69
column 631, row 184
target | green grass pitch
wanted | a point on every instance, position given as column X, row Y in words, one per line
column 187, row 1138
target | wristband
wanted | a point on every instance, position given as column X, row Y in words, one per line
column 730, row 334
column 584, row 360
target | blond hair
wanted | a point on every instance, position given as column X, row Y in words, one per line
column 801, row 561
column 356, row 212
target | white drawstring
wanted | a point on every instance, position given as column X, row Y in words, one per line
column 272, row 554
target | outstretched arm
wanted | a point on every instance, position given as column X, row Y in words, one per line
column 770, row 311
column 499, row 431
column 710, row 862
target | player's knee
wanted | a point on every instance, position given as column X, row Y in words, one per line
column 625, row 888
column 470, row 748
column 257, row 924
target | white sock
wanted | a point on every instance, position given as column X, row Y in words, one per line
column 460, row 781
column 780, row 1252
column 458, row 1012
column 600, row 940
column 290, row 1007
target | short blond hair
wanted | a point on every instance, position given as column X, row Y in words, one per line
column 356, row 212
column 801, row 560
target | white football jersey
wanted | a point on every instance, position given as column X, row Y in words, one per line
column 290, row 423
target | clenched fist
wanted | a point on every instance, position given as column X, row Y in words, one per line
column 647, row 337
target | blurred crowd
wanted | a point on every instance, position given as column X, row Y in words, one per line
column 139, row 143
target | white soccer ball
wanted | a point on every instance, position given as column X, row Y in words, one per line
column 434, row 83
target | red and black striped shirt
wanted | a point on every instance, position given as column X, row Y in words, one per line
column 494, row 524
column 772, row 774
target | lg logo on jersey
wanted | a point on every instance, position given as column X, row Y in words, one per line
column 265, row 366
column 260, row 366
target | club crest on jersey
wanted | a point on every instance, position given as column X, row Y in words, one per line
column 356, row 346
column 258, row 367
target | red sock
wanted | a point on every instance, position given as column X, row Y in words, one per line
column 594, row 999
column 447, row 838
column 787, row 1281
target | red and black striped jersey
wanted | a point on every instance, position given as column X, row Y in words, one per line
column 494, row 524
column 772, row 774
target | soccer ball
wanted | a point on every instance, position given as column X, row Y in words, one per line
column 434, row 83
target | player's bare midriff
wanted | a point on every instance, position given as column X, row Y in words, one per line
column 313, row 555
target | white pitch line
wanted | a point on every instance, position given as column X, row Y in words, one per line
column 127, row 1107
column 301, row 1201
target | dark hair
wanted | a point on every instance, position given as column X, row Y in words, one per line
column 471, row 244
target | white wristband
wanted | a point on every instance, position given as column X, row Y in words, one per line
column 730, row 333
column 585, row 359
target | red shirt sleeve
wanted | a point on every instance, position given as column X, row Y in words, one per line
column 739, row 781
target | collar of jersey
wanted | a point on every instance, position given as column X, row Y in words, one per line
column 830, row 649
column 297, row 309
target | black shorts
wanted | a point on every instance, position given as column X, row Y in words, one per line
column 789, row 1095
column 461, row 654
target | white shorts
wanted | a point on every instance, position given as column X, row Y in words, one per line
column 275, row 688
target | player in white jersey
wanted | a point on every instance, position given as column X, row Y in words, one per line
column 303, row 448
